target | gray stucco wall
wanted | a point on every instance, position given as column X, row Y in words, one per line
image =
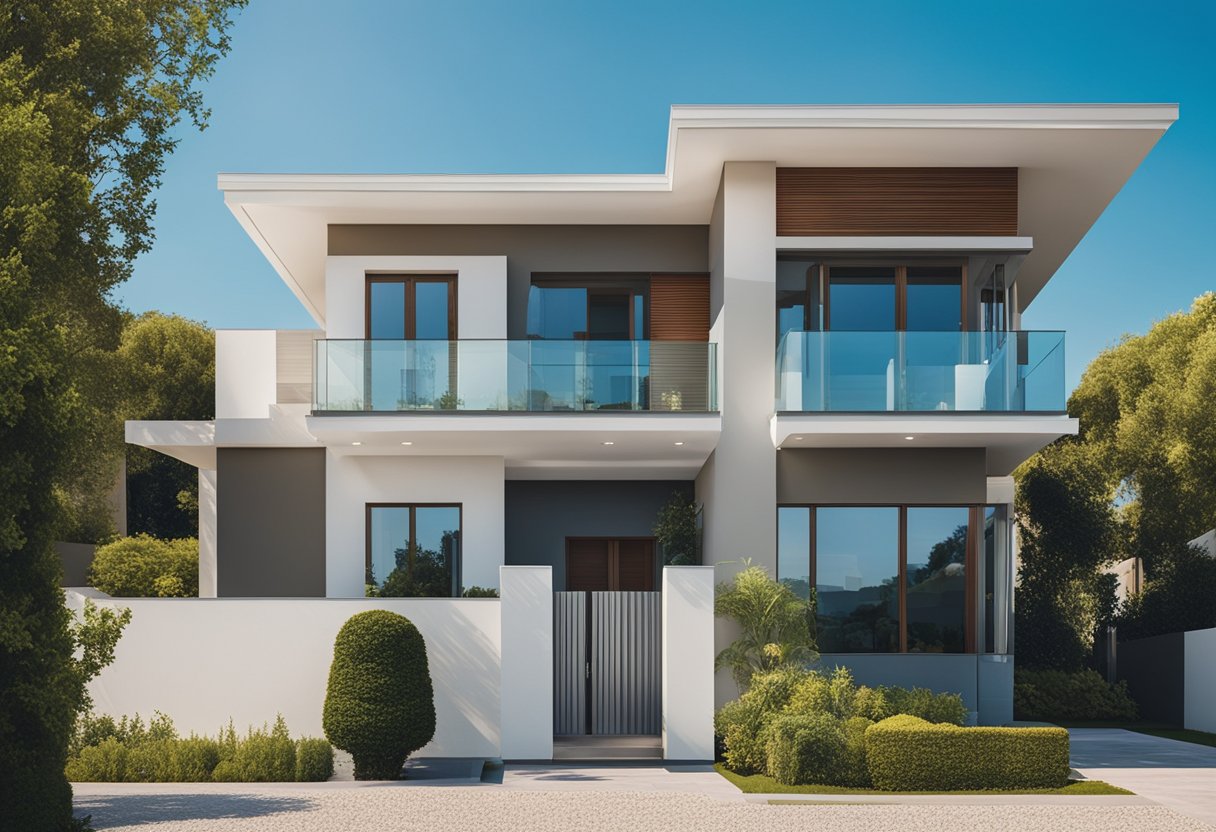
column 541, row 515
column 270, row 536
column 675, row 249
column 881, row 475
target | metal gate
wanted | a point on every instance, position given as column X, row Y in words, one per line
column 607, row 663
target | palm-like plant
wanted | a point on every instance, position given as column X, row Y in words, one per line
column 774, row 622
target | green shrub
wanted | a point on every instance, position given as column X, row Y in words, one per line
column 1050, row 695
column 479, row 592
column 906, row 753
column 314, row 760
column 105, row 762
column 804, row 748
column 853, row 769
column 379, row 705
column 923, row 703
column 742, row 723
column 265, row 755
column 194, row 759
column 146, row 567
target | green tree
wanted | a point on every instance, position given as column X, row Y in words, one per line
column 675, row 529
column 91, row 94
column 774, row 625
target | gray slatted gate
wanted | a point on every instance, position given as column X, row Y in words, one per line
column 609, row 654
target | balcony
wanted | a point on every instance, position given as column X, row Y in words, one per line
column 1001, row 391
column 921, row 372
column 534, row 376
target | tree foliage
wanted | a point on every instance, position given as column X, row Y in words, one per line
column 774, row 625
column 90, row 96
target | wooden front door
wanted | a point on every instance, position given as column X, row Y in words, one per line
column 605, row 564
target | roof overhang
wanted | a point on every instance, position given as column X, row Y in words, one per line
column 1072, row 159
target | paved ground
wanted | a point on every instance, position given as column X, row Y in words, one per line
column 389, row 808
column 1180, row 775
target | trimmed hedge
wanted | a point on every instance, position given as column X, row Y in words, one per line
column 1050, row 695
column 143, row 566
column 380, row 705
column 906, row 753
column 804, row 748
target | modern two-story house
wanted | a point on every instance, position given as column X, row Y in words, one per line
column 809, row 324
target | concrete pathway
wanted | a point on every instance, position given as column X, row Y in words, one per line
column 1179, row 775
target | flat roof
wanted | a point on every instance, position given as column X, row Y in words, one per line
column 1072, row 160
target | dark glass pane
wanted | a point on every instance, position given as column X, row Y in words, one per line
column 856, row 579
column 794, row 549
column 990, row 561
column 862, row 298
column 608, row 316
column 935, row 296
column 791, row 312
column 639, row 317
column 431, row 310
column 557, row 313
column 386, row 313
column 437, row 551
column 937, row 579
column 390, row 542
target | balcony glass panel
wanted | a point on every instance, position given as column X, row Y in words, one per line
column 530, row 376
column 921, row 371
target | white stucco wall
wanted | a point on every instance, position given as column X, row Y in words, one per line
column 208, row 580
column 351, row 482
column 481, row 291
column 688, row 662
column 203, row 661
column 244, row 373
column 527, row 662
column 1199, row 684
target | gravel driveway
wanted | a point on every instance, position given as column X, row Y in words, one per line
column 437, row 809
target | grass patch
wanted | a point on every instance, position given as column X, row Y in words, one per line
column 763, row 784
column 1169, row 732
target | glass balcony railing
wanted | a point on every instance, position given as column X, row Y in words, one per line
column 529, row 376
column 997, row 372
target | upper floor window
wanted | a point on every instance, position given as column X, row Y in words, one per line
column 413, row 550
column 411, row 307
column 590, row 308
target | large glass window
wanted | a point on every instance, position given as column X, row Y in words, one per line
column 886, row 578
column 937, row 540
column 934, row 299
column 413, row 551
column 857, row 579
column 861, row 298
column 597, row 309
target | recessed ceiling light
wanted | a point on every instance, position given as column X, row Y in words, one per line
column 407, row 443
column 356, row 443
column 607, row 443
column 679, row 443
column 909, row 438
column 797, row 438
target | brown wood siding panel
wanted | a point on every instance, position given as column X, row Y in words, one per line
column 897, row 201
column 679, row 307
column 293, row 365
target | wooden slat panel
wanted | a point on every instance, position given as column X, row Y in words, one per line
column 587, row 567
column 897, row 201
column 293, row 365
column 679, row 307
column 635, row 565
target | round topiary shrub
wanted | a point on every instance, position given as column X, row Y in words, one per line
column 379, row 705
column 805, row 748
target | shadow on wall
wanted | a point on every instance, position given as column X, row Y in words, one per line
column 126, row 810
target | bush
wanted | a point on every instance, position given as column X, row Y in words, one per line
column 379, row 705
column 479, row 592
column 906, row 753
column 1050, row 695
column 920, row 702
column 853, row 769
column 146, row 567
column 128, row 751
column 804, row 748
column 742, row 723
column 1176, row 598
column 314, row 760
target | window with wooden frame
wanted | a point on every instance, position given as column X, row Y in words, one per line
column 887, row 579
column 413, row 549
column 410, row 307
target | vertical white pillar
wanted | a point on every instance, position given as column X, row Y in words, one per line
column 208, row 481
column 527, row 662
column 688, row 662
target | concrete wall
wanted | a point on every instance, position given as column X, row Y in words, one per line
column 540, row 515
column 527, row 662
column 1154, row 669
column 208, row 533
column 531, row 248
column 352, row 481
column 203, row 661
column 1199, row 694
column 245, row 366
column 881, row 475
column 688, row 662
column 270, row 530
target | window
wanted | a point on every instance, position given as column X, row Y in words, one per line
column 409, row 307
column 413, row 550
column 886, row 578
column 410, row 362
column 592, row 308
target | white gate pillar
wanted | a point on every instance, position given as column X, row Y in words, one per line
column 688, row 663
column 527, row 662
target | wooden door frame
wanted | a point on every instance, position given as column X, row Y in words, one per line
column 613, row 556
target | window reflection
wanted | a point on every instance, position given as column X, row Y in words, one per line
column 937, row 579
column 413, row 551
column 856, row 579
column 794, row 549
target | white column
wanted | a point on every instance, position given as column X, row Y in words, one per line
column 688, row 662
column 208, row 481
column 527, row 662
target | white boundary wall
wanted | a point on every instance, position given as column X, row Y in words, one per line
column 1199, row 682
column 688, row 662
column 527, row 662
column 204, row 660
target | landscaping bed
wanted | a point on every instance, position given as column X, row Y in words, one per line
column 763, row 784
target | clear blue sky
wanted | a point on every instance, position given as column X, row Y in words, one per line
column 558, row 87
